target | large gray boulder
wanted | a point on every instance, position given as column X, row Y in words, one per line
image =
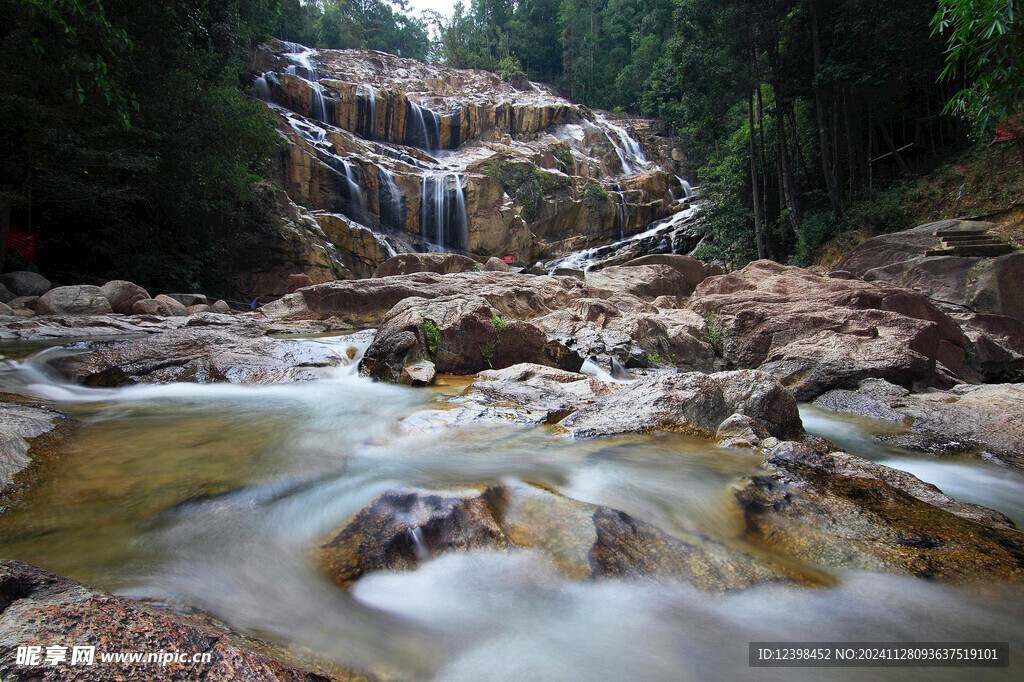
column 82, row 299
column 123, row 294
column 24, row 283
column 6, row 295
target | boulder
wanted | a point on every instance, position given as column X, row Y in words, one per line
column 221, row 307
column 496, row 265
column 39, row 608
column 6, row 310
column 24, row 283
column 123, row 295
column 82, row 299
column 202, row 354
column 459, row 334
column 199, row 308
column 816, row 333
column 24, row 302
column 421, row 373
column 838, row 511
column 174, row 304
column 402, row 528
column 20, row 425
column 185, row 299
column 297, row 281
column 645, row 281
column 981, row 420
column 693, row 402
column 985, row 285
column 6, row 295
column 151, row 306
column 440, row 263
column 693, row 270
column 741, row 430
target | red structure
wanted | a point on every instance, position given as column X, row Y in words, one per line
column 1011, row 128
column 22, row 242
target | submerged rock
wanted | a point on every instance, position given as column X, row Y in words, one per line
column 402, row 528
column 199, row 353
column 835, row 510
column 21, row 423
column 983, row 420
column 38, row 608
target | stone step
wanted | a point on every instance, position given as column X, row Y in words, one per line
column 974, row 242
column 983, row 251
column 954, row 233
column 967, row 237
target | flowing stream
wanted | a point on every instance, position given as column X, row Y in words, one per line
column 217, row 495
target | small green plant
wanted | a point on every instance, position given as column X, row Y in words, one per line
column 562, row 152
column 654, row 358
column 432, row 334
column 1012, row 376
column 714, row 331
column 488, row 352
column 498, row 322
column 595, row 192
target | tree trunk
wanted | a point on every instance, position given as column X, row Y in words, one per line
column 5, row 225
column 828, row 165
column 755, row 189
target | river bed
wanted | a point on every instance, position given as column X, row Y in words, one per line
column 216, row 495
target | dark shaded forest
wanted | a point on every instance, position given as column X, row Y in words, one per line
column 130, row 149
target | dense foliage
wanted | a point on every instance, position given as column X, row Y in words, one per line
column 339, row 24
column 128, row 147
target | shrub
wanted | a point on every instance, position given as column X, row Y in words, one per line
column 432, row 335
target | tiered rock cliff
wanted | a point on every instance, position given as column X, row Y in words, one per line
column 387, row 155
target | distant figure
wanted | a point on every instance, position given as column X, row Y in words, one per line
column 298, row 281
column 256, row 302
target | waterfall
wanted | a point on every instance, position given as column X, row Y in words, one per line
column 630, row 154
column 367, row 125
column 390, row 199
column 687, row 189
column 303, row 67
column 443, row 220
column 262, row 86
column 422, row 127
column 349, row 188
column 620, row 210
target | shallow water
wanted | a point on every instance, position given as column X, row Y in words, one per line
column 216, row 496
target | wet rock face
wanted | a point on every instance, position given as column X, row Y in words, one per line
column 21, row 423
column 816, row 333
column 838, row 511
column 199, row 354
column 402, row 528
column 38, row 608
column 981, row 420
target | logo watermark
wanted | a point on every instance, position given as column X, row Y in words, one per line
column 88, row 656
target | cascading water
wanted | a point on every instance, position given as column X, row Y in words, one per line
column 443, row 219
column 367, row 125
column 630, row 154
column 303, row 67
column 422, row 128
column 390, row 199
column 349, row 187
